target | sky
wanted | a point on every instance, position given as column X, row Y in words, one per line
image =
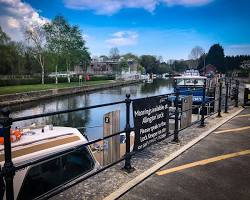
column 167, row 28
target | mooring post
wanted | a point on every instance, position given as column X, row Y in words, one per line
column 237, row 94
column 176, row 114
column 128, row 166
column 226, row 97
column 220, row 98
column 203, row 105
column 8, row 168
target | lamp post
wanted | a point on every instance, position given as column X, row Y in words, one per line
column 204, row 62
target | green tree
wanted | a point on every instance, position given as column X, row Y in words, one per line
column 131, row 56
column 65, row 42
column 150, row 63
column 123, row 65
column 216, row 57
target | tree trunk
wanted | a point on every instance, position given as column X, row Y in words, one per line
column 68, row 73
column 42, row 74
column 42, row 66
column 56, row 75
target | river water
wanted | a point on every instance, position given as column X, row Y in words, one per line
column 91, row 121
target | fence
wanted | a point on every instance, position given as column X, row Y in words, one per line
column 225, row 93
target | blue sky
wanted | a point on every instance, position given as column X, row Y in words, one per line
column 167, row 28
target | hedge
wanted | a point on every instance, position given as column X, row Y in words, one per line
column 36, row 80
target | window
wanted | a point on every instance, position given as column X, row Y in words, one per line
column 46, row 176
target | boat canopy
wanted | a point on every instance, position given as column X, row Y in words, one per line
column 190, row 80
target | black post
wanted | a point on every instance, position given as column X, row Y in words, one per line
column 2, row 184
column 8, row 168
column 226, row 98
column 237, row 94
column 220, row 98
column 128, row 166
column 176, row 114
column 230, row 86
column 203, row 106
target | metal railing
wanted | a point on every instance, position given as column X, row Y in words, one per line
column 7, row 172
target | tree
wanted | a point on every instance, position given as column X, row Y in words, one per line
column 150, row 63
column 245, row 65
column 55, row 34
column 4, row 38
column 216, row 57
column 195, row 54
column 114, row 53
column 123, row 65
column 36, row 36
column 131, row 56
column 65, row 43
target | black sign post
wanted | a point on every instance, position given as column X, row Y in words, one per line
column 151, row 121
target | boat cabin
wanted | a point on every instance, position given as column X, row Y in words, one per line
column 35, row 143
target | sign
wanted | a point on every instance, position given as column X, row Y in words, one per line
column 107, row 120
column 247, row 97
column 186, row 107
column 151, row 121
column 111, row 125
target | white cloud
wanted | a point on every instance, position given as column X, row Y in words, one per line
column 187, row 2
column 15, row 15
column 122, row 38
column 109, row 7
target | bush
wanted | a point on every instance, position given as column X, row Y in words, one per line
column 37, row 80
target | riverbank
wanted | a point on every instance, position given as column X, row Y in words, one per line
column 23, row 97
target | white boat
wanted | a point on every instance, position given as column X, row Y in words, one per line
column 36, row 143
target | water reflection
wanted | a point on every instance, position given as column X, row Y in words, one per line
column 91, row 120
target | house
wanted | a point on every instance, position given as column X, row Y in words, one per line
column 208, row 70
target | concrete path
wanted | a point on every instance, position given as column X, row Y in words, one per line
column 215, row 168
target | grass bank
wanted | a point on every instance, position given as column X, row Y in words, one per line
column 39, row 87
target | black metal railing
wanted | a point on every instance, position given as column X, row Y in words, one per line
column 7, row 172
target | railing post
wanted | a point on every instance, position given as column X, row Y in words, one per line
column 220, row 98
column 203, row 105
column 127, row 166
column 8, row 168
column 237, row 94
column 230, row 86
column 176, row 115
column 2, row 184
column 226, row 97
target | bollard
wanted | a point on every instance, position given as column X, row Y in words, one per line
column 226, row 98
column 203, row 106
column 128, row 166
column 220, row 98
column 8, row 168
column 176, row 115
column 237, row 93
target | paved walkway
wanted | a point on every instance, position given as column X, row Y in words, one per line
column 215, row 168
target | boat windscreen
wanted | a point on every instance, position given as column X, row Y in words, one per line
column 190, row 82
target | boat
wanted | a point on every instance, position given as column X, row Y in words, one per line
column 191, row 83
column 61, row 170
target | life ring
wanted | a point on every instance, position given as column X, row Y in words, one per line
column 15, row 135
